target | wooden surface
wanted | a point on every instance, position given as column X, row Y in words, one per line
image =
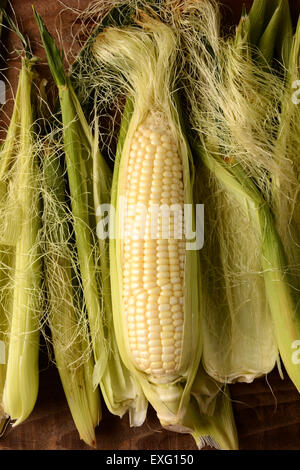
column 267, row 412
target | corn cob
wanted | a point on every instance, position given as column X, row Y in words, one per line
column 155, row 318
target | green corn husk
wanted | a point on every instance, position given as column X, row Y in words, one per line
column 119, row 388
column 21, row 231
column 234, row 304
column 286, row 181
column 276, row 39
column 237, row 147
column 69, row 332
column 268, row 30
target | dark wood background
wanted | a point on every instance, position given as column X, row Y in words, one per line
column 267, row 412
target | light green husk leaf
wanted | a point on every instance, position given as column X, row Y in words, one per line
column 69, row 331
column 90, row 178
column 277, row 35
column 19, row 188
column 228, row 114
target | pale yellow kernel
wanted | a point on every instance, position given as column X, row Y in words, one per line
column 154, row 343
column 167, row 349
column 140, row 315
column 152, row 320
column 173, row 247
column 178, row 293
column 151, row 149
column 131, row 310
column 159, row 371
column 173, row 301
column 177, row 287
column 166, row 289
column 162, row 253
column 168, row 343
column 156, row 361
column 167, row 357
column 167, row 145
column 168, row 327
column 177, row 322
column 166, row 137
column 167, row 183
column 163, row 275
column 144, row 363
column 162, row 282
column 154, row 335
column 150, row 259
column 154, row 291
column 155, row 352
column 166, row 321
column 160, row 150
column 169, row 371
column 163, row 299
column 143, row 354
column 149, row 285
column 164, row 262
column 176, row 280
column 176, row 308
column 179, row 329
column 164, row 307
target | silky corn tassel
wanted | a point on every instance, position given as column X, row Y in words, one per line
column 153, row 275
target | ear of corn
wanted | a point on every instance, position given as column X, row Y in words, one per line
column 223, row 98
column 286, row 179
column 286, row 199
column 246, row 176
column 155, row 318
column 21, row 385
column 68, row 329
column 75, row 154
column 89, row 174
